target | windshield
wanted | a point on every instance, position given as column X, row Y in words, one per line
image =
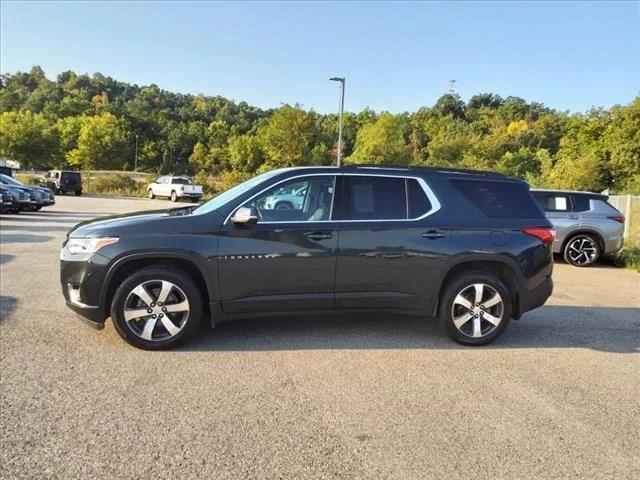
column 9, row 180
column 225, row 197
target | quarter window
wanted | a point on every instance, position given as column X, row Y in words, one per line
column 306, row 199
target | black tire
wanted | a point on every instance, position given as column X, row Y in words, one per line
column 174, row 196
column 150, row 194
column 587, row 244
column 180, row 279
column 39, row 207
column 78, row 193
column 458, row 285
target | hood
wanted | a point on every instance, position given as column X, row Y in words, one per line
column 149, row 222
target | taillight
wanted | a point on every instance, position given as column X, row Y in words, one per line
column 546, row 235
column 617, row 218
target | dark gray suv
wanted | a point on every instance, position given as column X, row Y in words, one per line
column 586, row 225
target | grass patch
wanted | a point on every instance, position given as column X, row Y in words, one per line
column 115, row 184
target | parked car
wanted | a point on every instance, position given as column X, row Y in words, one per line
column 38, row 197
column 63, row 181
column 286, row 198
column 587, row 225
column 20, row 199
column 472, row 248
column 6, row 199
column 175, row 188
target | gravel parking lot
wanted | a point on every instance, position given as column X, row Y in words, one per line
column 347, row 397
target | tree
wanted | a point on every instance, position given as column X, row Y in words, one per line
column 244, row 153
column 29, row 139
column 102, row 144
column 285, row 139
column 385, row 141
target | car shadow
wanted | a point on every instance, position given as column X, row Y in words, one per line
column 27, row 218
column 6, row 258
column 8, row 306
column 6, row 238
column 598, row 328
column 36, row 228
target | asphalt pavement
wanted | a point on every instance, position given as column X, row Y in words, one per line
column 558, row 396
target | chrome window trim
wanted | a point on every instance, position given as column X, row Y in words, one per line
column 435, row 203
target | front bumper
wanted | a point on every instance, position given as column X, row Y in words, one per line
column 81, row 280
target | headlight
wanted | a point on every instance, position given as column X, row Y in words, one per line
column 88, row 245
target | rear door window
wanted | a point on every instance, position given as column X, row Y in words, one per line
column 499, row 199
column 373, row 198
column 552, row 202
column 417, row 201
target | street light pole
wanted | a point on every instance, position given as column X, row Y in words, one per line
column 342, row 81
column 136, row 161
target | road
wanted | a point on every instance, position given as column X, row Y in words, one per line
column 558, row 396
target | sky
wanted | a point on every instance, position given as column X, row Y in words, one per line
column 395, row 56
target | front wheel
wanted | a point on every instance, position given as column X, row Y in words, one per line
column 476, row 308
column 150, row 194
column 157, row 308
column 581, row 251
column 174, row 196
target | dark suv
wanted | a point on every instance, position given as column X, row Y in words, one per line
column 472, row 248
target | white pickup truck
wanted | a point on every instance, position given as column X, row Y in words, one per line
column 174, row 188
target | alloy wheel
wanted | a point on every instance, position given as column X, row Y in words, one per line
column 582, row 251
column 477, row 310
column 156, row 310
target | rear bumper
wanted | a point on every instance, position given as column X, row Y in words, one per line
column 535, row 297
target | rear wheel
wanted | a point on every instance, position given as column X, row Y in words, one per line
column 38, row 207
column 476, row 308
column 174, row 196
column 157, row 308
column 582, row 250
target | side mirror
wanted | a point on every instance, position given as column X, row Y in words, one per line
column 245, row 215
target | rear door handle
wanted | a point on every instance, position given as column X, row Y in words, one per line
column 433, row 234
column 318, row 235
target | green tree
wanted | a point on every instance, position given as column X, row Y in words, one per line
column 29, row 139
column 286, row 137
column 384, row 141
column 102, row 144
column 245, row 154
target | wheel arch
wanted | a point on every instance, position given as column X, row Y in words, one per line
column 504, row 268
column 180, row 260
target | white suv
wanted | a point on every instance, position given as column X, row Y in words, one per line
column 175, row 188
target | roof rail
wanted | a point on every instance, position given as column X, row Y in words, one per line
column 468, row 171
column 378, row 165
column 426, row 168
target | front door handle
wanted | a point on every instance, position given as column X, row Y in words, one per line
column 318, row 235
column 433, row 234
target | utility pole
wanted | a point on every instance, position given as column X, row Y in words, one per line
column 452, row 89
column 342, row 81
column 136, row 161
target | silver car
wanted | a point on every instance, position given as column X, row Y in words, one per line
column 586, row 225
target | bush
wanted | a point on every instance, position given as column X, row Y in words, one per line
column 29, row 179
column 115, row 184
column 628, row 258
